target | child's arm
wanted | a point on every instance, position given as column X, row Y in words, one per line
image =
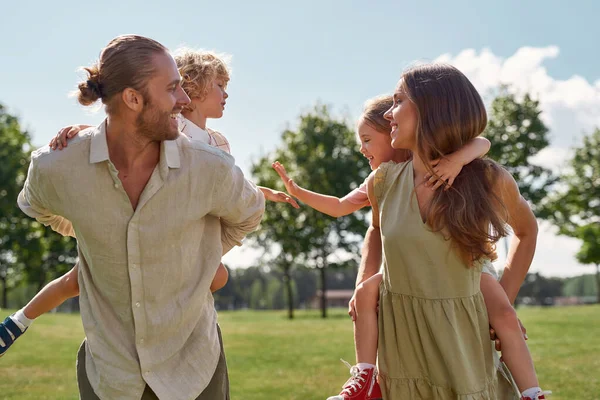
column 66, row 133
column 277, row 196
column 220, row 279
column 447, row 168
column 53, row 294
column 330, row 205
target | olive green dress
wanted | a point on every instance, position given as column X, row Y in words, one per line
column 433, row 327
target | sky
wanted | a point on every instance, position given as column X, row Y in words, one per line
column 287, row 56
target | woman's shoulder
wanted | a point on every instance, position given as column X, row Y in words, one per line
column 382, row 177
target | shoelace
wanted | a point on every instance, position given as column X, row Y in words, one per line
column 356, row 381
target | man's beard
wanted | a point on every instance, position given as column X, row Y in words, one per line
column 155, row 124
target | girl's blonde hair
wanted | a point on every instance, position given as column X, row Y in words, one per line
column 199, row 68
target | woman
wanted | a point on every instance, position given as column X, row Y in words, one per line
column 433, row 325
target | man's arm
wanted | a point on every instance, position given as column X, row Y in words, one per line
column 239, row 204
column 33, row 201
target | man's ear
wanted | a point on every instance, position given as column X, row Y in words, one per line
column 133, row 99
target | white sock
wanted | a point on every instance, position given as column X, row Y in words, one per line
column 362, row 366
column 531, row 392
column 21, row 320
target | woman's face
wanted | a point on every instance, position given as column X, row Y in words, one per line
column 403, row 117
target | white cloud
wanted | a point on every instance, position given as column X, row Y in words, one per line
column 570, row 107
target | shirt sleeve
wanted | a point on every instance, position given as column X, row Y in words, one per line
column 358, row 196
column 239, row 204
column 33, row 201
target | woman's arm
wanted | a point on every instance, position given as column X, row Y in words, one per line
column 524, row 225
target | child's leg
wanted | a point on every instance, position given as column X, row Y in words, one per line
column 365, row 327
column 220, row 279
column 53, row 294
column 503, row 319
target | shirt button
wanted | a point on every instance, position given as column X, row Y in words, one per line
column 133, row 265
column 138, row 304
column 116, row 185
column 142, row 341
column 147, row 373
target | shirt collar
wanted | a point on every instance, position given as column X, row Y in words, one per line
column 169, row 151
column 193, row 131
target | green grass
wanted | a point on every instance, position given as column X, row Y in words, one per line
column 270, row 357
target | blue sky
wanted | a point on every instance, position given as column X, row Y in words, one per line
column 288, row 55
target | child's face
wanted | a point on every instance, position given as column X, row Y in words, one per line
column 374, row 145
column 213, row 105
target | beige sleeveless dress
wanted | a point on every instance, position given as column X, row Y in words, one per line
column 433, row 327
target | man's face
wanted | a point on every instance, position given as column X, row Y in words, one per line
column 163, row 101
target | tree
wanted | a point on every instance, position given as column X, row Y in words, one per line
column 541, row 289
column 321, row 154
column 589, row 253
column 575, row 207
column 15, row 227
column 517, row 133
column 29, row 251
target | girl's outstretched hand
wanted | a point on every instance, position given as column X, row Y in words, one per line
column 289, row 183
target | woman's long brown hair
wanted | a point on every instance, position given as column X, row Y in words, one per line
column 450, row 114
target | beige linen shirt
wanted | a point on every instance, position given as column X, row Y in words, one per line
column 145, row 274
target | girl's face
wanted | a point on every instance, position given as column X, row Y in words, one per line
column 374, row 145
column 213, row 105
column 403, row 120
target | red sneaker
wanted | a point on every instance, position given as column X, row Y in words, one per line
column 539, row 396
column 362, row 385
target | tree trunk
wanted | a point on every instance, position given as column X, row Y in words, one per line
column 288, row 284
column 323, row 291
column 598, row 283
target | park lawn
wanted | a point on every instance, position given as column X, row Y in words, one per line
column 270, row 357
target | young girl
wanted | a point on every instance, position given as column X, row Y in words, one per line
column 204, row 78
column 375, row 139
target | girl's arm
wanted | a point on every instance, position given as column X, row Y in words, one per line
column 330, row 205
column 66, row 133
column 446, row 169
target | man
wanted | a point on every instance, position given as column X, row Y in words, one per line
column 153, row 213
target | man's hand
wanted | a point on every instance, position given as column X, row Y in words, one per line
column 278, row 197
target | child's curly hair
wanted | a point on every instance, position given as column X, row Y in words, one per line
column 199, row 68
